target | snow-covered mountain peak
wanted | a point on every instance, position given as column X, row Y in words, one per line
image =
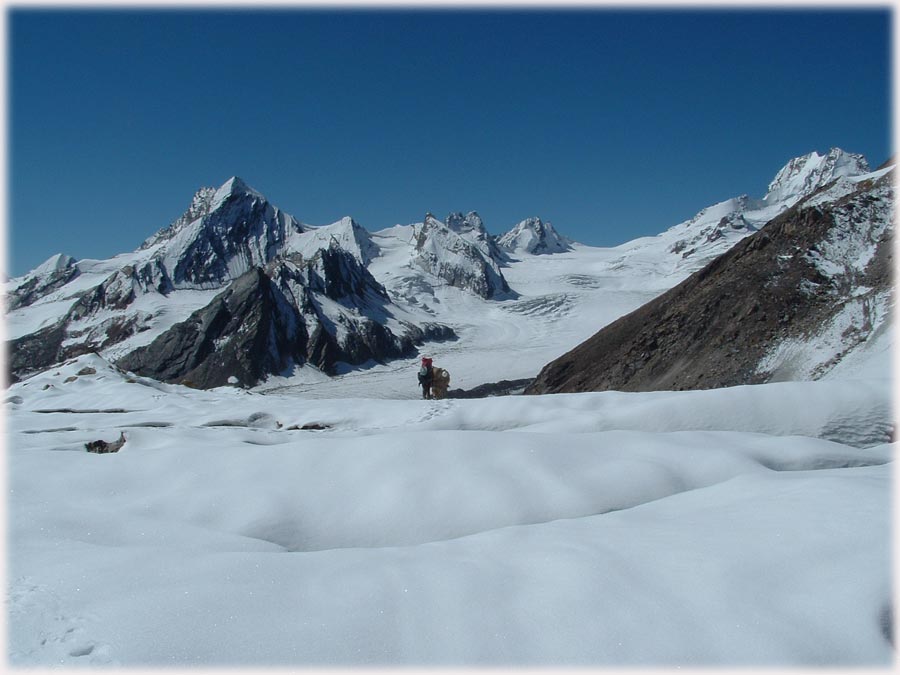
column 804, row 175
column 534, row 236
column 234, row 186
column 53, row 264
column 346, row 233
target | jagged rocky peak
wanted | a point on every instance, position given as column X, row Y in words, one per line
column 804, row 175
column 237, row 229
column 467, row 259
column 205, row 201
column 534, row 236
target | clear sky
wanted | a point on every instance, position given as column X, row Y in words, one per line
column 611, row 124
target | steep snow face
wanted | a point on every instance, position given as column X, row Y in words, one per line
column 224, row 233
column 346, row 233
column 533, row 236
column 234, row 186
column 804, row 175
column 241, row 230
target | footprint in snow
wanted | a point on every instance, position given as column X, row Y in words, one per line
column 436, row 409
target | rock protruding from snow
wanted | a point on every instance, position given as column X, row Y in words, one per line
column 804, row 175
column 464, row 258
column 534, row 236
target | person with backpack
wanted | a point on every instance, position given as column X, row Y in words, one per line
column 426, row 377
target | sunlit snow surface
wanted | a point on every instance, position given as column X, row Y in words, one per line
column 740, row 527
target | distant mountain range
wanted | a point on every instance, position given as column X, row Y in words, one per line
column 236, row 291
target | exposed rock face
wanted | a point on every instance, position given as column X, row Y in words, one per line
column 321, row 311
column 37, row 351
column 246, row 332
column 463, row 257
column 819, row 266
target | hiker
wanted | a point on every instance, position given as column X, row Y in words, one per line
column 426, row 377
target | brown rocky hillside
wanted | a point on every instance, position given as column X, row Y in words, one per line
column 788, row 281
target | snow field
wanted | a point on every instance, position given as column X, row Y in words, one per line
column 711, row 528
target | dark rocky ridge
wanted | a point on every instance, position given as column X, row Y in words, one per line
column 244, row 333
column 713, row 329
column 271, row 319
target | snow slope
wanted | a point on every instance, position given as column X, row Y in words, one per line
column 739, row 527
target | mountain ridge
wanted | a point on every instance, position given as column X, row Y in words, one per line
column 756, row 313
column 122, row 304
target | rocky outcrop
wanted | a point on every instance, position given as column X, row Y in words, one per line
column 790, row 283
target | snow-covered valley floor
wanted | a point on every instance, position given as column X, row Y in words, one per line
column 739, row 527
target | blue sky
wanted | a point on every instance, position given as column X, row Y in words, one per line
column 611, row 124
